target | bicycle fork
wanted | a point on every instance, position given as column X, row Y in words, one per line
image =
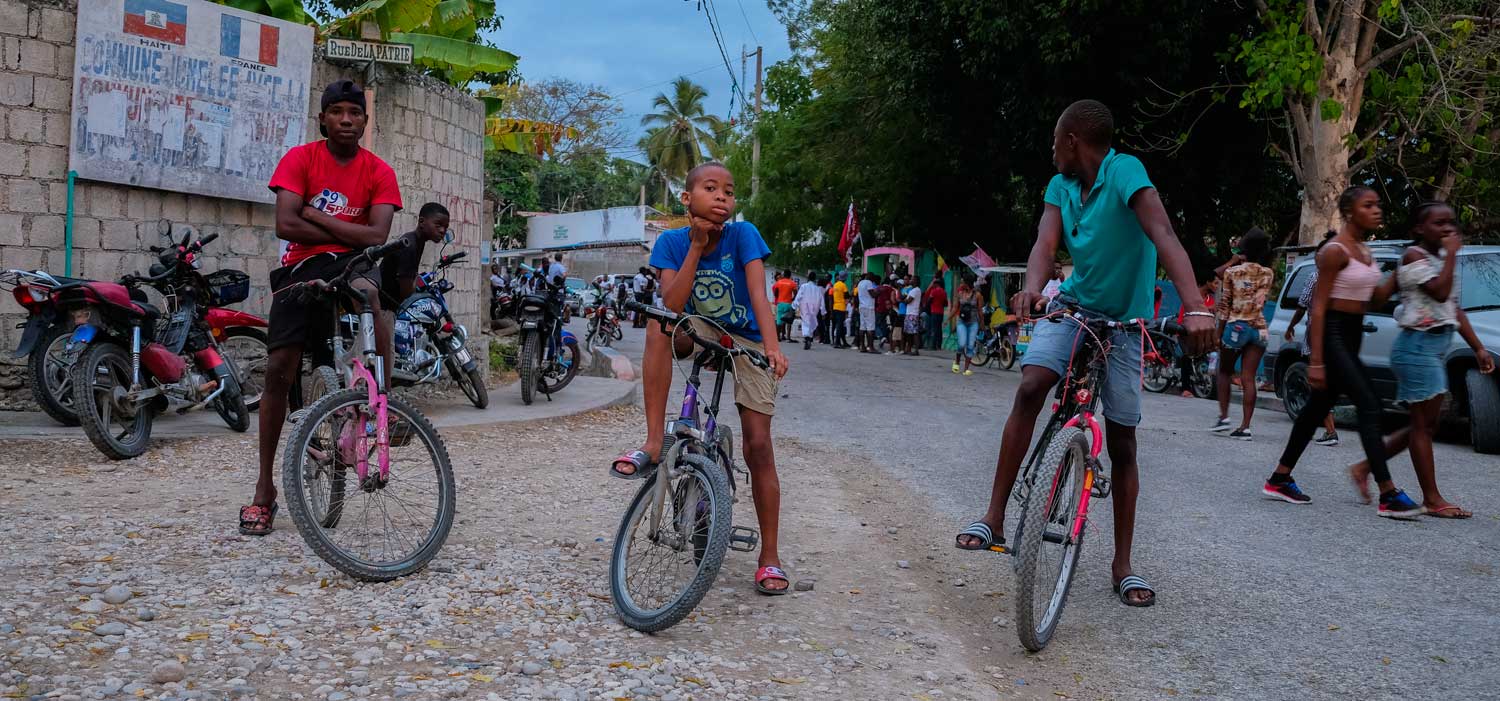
column 1094, row 481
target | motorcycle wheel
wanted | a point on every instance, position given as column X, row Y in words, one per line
column 1157, row 377
column 51, row 375
column 563, row 374
column 1205, row 386
column 471, row 382
column 617, row 333
column 982, row 354
column 101, row 373
column 527, row 365
column 231, row 404
column 1006, row 354
column 249, row 348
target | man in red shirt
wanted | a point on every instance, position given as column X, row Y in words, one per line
column 332, row 199
column 936, row 304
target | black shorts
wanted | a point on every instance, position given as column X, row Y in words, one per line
column 296, row 322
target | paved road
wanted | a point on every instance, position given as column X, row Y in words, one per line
column 1257, row 599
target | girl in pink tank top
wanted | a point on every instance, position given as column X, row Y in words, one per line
column 1347, row 279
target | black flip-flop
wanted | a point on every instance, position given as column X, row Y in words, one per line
column 1132, row 583
column 982, row 531
column 638, row 458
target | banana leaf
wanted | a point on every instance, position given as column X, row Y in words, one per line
column 393, row 16
column 459, row 57
column 492, row 104
column 289, row 10
column 453, row 18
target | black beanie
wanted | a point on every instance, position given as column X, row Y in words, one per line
column 340, row 91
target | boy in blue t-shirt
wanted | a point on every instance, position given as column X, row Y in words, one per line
column 727, row 285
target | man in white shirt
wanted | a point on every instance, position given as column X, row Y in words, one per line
column 1054, row 285
column 809, row 304
column 911, row 325
column 866, row 294
column 557, row 272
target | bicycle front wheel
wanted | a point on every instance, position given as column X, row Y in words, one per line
column 1048, row 548
column 371, row 530
column 669, row 549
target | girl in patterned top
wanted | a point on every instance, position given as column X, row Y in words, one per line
column 1241, row 310
column 1429, row 315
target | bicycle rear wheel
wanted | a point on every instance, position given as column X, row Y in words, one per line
column 657, row 578
column 1048, row 550
column 370, row 530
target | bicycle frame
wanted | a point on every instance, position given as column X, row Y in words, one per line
column 374, row 383
column 684, row 432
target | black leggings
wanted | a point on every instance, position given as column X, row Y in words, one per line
column 1342, row 335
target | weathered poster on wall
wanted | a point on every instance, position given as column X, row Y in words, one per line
column 187, row 95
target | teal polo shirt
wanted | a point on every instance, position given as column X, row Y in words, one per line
column 1114, row 261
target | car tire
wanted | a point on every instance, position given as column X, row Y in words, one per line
column 1484, row 410
column 1295, row 388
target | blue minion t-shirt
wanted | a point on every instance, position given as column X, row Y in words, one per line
column 720, row 290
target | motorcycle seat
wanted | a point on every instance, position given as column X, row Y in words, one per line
column 119, row 295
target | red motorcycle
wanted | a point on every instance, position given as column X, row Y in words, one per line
column 133, row 358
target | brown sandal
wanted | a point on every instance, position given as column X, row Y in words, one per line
column 257, row 520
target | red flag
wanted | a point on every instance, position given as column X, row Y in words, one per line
column 850, row 235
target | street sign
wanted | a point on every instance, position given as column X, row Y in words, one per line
column 380, row 52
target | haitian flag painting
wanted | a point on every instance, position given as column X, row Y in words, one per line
column 157, row 19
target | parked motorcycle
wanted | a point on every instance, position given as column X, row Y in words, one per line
column 604, row 326
column 44, row 343
column 429, row 343
column 1159, row 365
column 133, row 359
column 998, row 346
column 549, row 358
column 44, row 340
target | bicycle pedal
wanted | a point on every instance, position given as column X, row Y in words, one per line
column 1101, row 487
column 743, row 538
column 997, row 548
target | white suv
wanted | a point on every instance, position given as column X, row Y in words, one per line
column 1472, row 395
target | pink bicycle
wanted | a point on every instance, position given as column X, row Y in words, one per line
column 367, row 478
column 1058, row 481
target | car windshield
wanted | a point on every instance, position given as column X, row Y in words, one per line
column 575, row 283
column 1480, row 280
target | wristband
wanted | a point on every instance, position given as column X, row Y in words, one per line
column 1210, row 315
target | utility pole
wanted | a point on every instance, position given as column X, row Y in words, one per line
column 755, row 148
column 744, row 55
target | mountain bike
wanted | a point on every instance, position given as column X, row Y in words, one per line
column 1057, row 483
column 673, row 537
column 359, row 455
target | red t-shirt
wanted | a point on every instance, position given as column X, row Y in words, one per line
column 937, row 300
column 346, row 190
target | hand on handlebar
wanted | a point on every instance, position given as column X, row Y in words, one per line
column 1201, row 333
column 1026, row 303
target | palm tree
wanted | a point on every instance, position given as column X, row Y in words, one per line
column 682, row 135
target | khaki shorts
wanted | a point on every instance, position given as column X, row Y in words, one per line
column 754, row 388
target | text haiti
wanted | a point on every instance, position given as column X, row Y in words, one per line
column 140, row 63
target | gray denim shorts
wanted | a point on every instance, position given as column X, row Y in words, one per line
column 1052, row 346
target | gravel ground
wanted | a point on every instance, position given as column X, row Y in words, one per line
column 128, row 580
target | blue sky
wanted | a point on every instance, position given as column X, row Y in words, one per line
column 633, row 48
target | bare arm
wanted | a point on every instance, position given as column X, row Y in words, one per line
column 1158, row 227
column 756, row 270
column 1441, row 286
column 1044, row 251
column 290, row 226
column 351, row 234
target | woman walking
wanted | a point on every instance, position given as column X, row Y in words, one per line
column 1242, row 318
column 963, row 316
column 1429, row 315
column 1347, row 277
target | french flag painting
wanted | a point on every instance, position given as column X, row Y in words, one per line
column 248, row 40
column 157, row 19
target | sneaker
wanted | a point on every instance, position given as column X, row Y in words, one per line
column 955, row 368
column 1240, row 434
column 1286, row 491
column 1220, row 425
column 968, row 373
column 1396, row 504
column 1328, row 439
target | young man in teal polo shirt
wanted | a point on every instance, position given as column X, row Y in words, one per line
column 1104, row 208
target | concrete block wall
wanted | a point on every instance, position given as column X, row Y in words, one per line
column 430, row 133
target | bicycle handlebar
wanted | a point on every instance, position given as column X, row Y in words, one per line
column 725, row 345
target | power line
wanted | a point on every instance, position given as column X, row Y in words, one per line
column 713, row 27
column 747, row 21
column 710, row 67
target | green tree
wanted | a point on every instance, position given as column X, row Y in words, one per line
column 682, row 134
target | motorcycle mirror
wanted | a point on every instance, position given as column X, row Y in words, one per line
column 448, row 237
column 164, row 227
